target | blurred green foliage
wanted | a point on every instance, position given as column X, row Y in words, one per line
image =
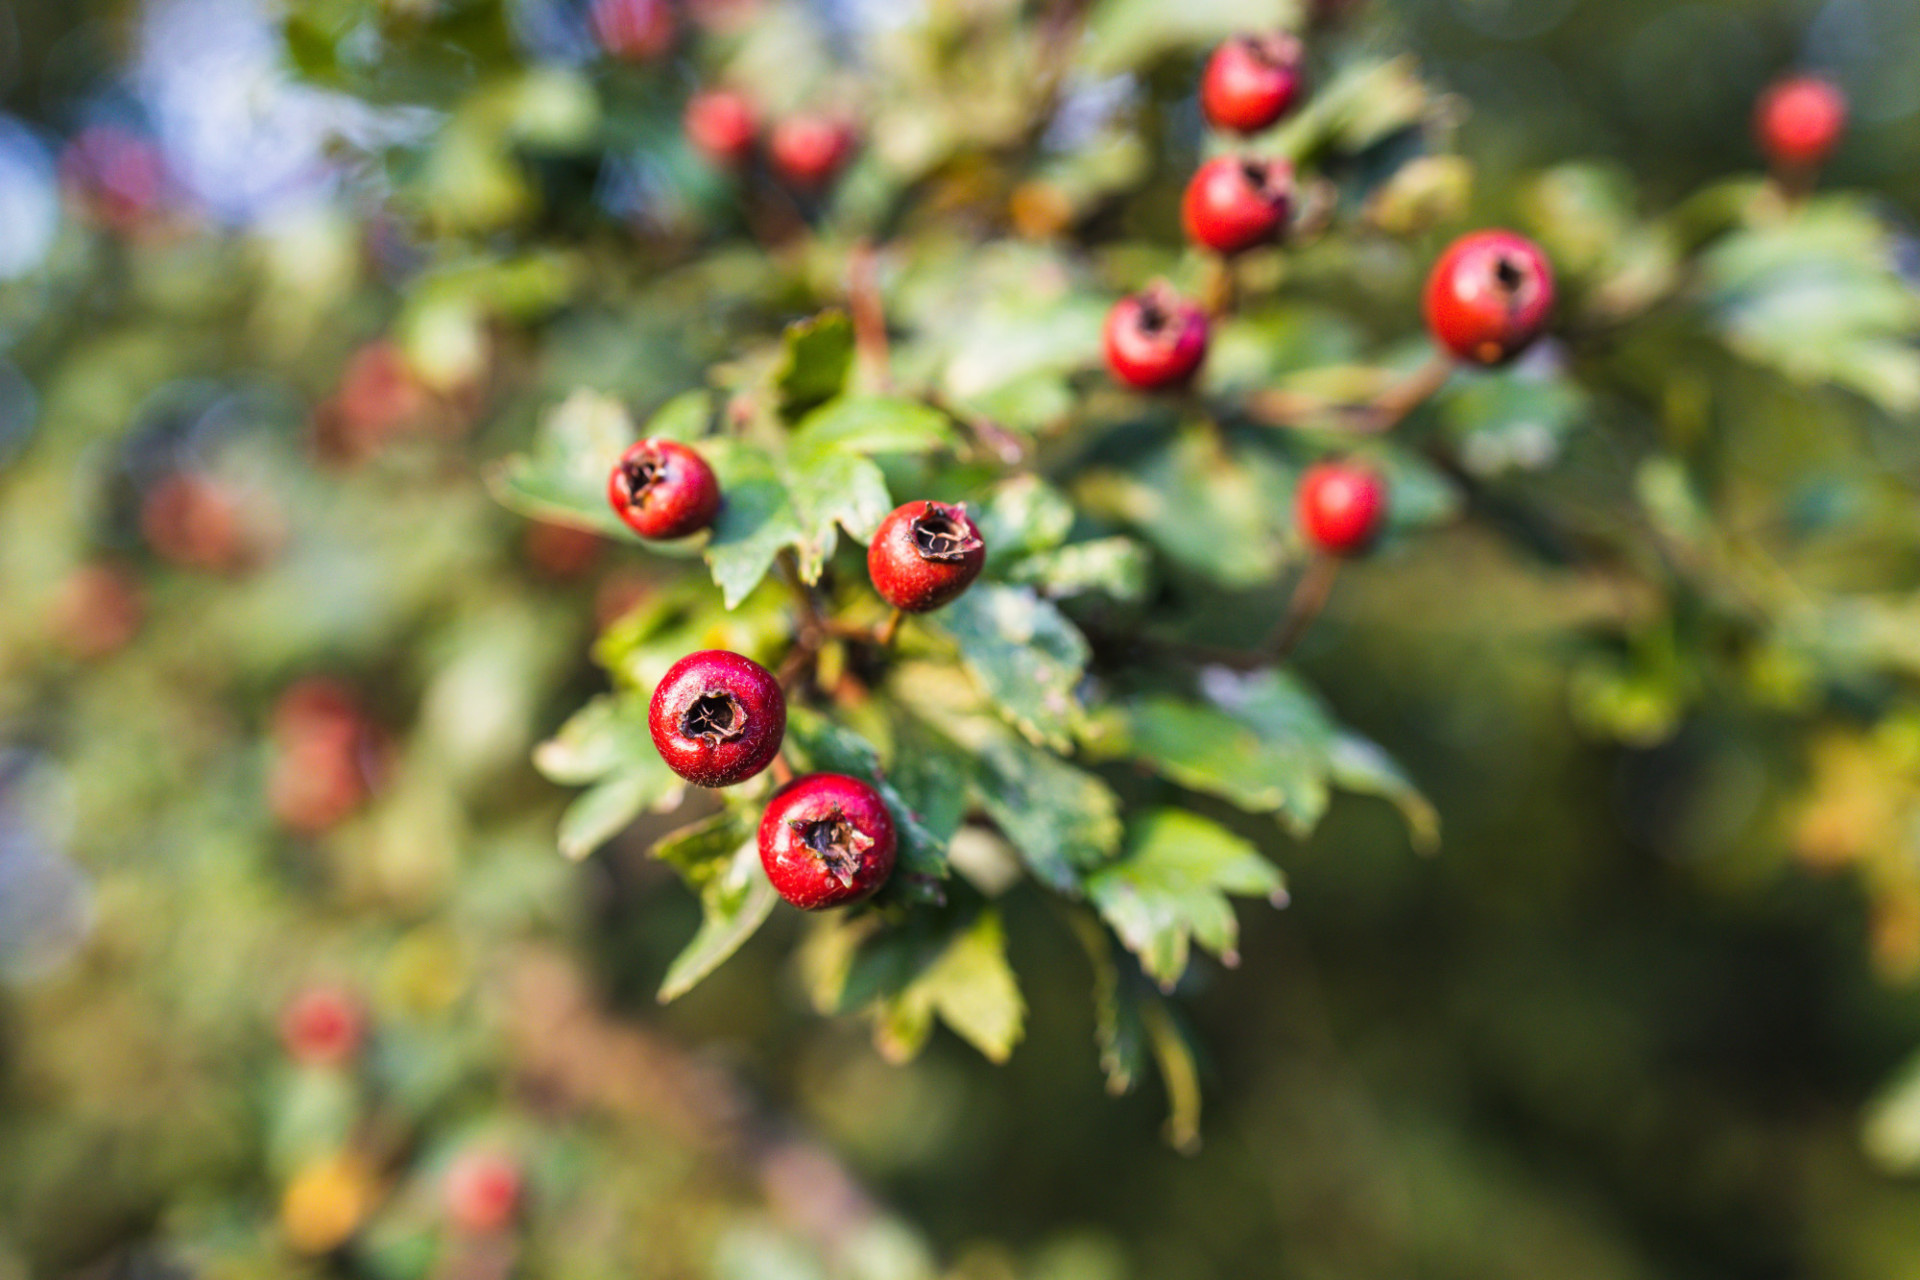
column 285, row 688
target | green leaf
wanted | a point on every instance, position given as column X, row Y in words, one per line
column 563, row 479
column 757, row 520
column 1025, row 655
column 1061, row 819
column 1359, row 764
column 1179, row 1070
column 815, row 357
column 1024, row 515
column 606, row 743
column 972, row 989
column 1117, row 1028
column 869, row 424
column 825, row 747
column 1511, row 419
column 686, row 418
column 1217, row 510
column 1114, row 567
column 1169, row 890
column 735, row 900
column 834, row 491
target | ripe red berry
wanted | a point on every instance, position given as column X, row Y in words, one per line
column 1341, row 506
column 1234, row 203
column 721, row 126
column 925, row 555
column 1155, row 339
column 717, row 718
column 97, row 610
column 322, row 1026
column 1251, row 81
column 1799, row 121
column 663, row 489
column 633, row 30
column 482, row 1190
column 808, row 151
column 1489, row 296
column 827, row 840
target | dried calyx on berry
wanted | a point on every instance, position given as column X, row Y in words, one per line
column 717, row 718
column 663, row 489
column 924, row 555
column 827, row 840
column 1155, row 339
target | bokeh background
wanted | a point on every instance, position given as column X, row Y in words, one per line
column 273, row 665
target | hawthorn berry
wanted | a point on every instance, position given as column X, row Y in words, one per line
column 1489, row 296
column 1155, row 339
column 633, row 30
column 97, row 610
column 663, row 489
column 482, row 1191
column 827, row 840
column 1236, row 202
column 1251, row 81
column 808, row 151
column 721, row 126
column 1341, row 506
column 717, row 718
column 925, row 555
column 1798, row 121
column 321, row 1027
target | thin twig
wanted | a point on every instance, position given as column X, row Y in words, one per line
column 1309, row 598
column 889, row 629
column 869, row 315
column 1377, row 416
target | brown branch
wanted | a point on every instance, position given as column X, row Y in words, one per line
column 869, row 315
column 1377, row 416
column 1309, row 598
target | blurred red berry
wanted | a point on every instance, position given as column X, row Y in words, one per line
column 560, row 551
column 322, row 1026
column 1799, row 122
column 633, row 30
column 722, row 126
column 97, row 610
column 1489, row 296
column 329, row 756
column 1234, row 203
column 808, row 151
column 482, row 1191
column 195, row 522
column 1251, row 81
column 1341, row 506
column 116, row 175
column 1155, row 339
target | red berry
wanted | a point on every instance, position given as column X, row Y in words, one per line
column 321, row 1027
column 721, row 126
column 633, row 30
column 1234, row 203
column 1155, row 339
column 1341, row 506
column 483, row 1191
column 1489, row 296
column 119, row 177
column 97, row 610
column 809, row 150
column 196, row 522
column 925, row 555
column 1251, row 81
column 827, row 840
column 329, row 756
column 663, row 489
column 1799, row 120
column 717, row 718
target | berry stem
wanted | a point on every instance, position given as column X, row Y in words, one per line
column 889, row 629
column 869, row 315
column 782, row 771
column 1220, row 294
column 1377, row 416
column 1309, row 598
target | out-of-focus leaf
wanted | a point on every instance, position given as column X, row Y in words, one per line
column 1179, row 1067
column 815, row 358
column 1123, row 35
column 735, row 900
column 970, row 987
column 1511, row 419
column 1026, row 655
column 1023, row 515
column 606, row 743
column 1114, row 567
column 1210, row 508
column 1169, row 890
column 869, row 424
column 684, row 418
column 563, row 479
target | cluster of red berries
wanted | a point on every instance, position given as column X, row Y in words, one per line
column 719, row 718
column 1487, row 299
column 806, row 150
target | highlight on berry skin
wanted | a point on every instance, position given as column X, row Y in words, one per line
column 1799, row 122
column 663, row 489
column 925, row 555
column 1155, row 340
column 1489, row 297
column 1341, row 506
column 717, row 718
